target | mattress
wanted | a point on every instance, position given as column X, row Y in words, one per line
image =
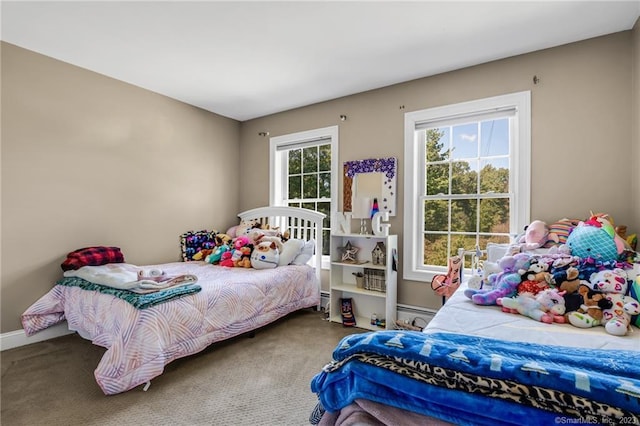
column 461, row 316
column 140, row 342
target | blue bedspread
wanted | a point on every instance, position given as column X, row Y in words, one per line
column 475, row 380
column 140, row 301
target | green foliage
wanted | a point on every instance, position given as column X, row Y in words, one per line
column 468, row 216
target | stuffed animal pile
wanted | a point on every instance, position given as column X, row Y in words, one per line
column 584, row 278
column 253, row 245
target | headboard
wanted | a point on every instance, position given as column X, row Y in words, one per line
column 302, row 223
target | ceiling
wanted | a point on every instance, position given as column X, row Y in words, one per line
column 245, row 59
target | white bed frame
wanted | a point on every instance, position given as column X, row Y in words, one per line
column 301, row 223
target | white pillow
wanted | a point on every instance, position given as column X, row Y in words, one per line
column 290, row 249
column 306, row 253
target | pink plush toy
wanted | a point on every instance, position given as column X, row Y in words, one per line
column 535, row 236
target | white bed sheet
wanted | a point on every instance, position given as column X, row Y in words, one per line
column 140, row 342
column 461, row 316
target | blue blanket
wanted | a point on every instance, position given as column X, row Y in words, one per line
column 474, row 380
column 140, row 301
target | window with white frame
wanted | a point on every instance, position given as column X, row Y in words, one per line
column 304, row 173
column 467, row 179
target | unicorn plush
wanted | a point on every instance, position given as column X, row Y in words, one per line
column 547, row 306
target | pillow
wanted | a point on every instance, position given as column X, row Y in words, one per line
column 496, row 251
column 305, row 254
column 290, row 250
column 562, row 229
column 192, row 242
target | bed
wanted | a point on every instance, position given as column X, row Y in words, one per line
column 478, row 365
column 228, row 302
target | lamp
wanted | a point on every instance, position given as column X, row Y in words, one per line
column 362, row 211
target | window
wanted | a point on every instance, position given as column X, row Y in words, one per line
column 304, row 173
column 467, row 179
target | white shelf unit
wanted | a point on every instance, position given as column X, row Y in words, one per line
column 343, row 282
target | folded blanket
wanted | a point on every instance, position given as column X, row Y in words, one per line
column 99, row 255
column 125, row 276
column 456, row 378
column 140, row 301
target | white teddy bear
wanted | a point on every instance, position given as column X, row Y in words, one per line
column 616, row 320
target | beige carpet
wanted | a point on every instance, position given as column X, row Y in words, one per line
column 262, row 380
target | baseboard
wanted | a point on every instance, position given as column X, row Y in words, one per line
column 415, row 315
column 17, row 338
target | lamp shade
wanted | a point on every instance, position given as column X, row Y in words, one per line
column 361, row 207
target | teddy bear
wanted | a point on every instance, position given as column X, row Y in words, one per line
column 566, row 279
column 587, row 301
column 244, row 261
column 504, row 283
column 617, row 318
column 547, row 306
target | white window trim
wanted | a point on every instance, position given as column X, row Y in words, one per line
column 276, row 180
column 520, row 171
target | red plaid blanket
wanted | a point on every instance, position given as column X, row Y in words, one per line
column 92, row 256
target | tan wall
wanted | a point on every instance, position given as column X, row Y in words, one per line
column 89, row 160
column 635, row 121
column 581, row 130
column 62, row 126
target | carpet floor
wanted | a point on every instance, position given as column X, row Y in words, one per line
column 261, row 380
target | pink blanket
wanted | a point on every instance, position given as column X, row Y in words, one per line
column 141, row 342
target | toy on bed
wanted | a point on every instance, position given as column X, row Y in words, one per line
column 481, row 280
column 546, row 306
column 617, row 318
column 216, row 255
column 265, row 255
column 535, row 236
column 239, row 254
column 504, row 283
column 596, row 239
column 192, row 243
column 586, row 301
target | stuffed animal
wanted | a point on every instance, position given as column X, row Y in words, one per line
column 245, row 226
column 591, row 239
column 482, row 281
column 547, row 306
column 202, row 254
column 504, row 283
column 532, row 287
column 222, row 239
column 216, row 255
column 566, row 279
column 535, row 236
column 538, row 271
column 244, row 260
column 617, row 319
column 265, row 255
column 226, row 259
column 559, row 231
column 590, row 302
